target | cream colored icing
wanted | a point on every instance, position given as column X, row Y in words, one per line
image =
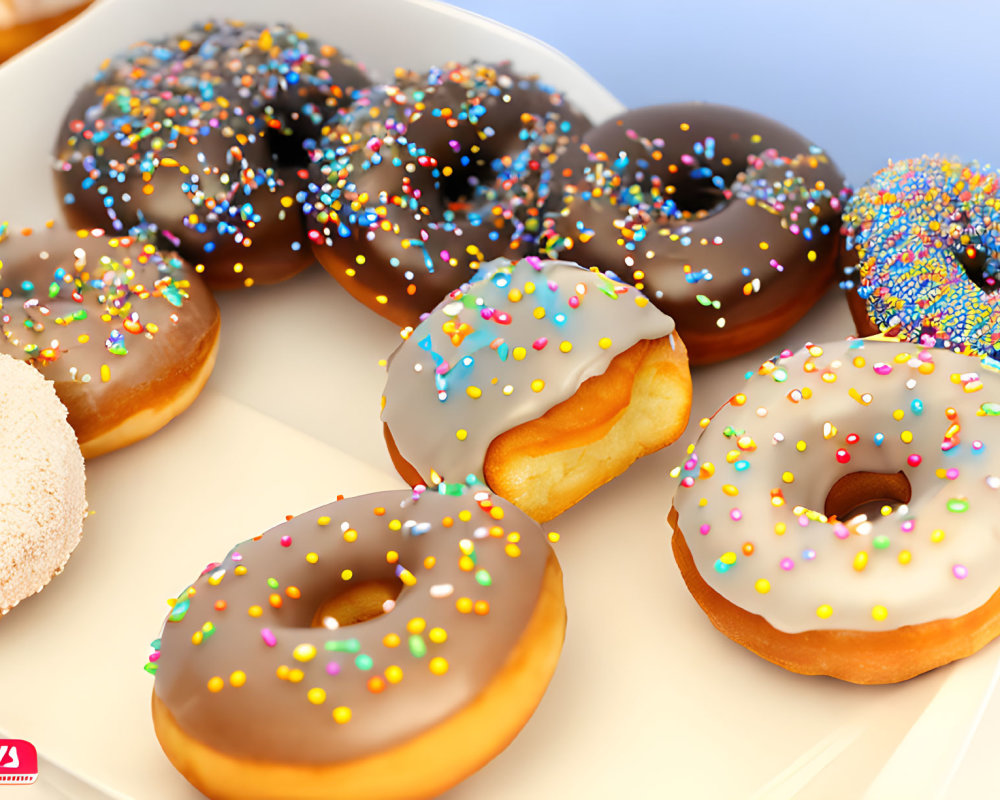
column 503, row 349
column 750, row 500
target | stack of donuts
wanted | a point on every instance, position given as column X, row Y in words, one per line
column 554, row 280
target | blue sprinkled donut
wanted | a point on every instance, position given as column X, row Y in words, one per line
column 925, row 235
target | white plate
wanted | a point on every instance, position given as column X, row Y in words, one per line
column 648, row 700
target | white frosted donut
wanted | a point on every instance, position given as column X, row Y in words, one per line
column 768, row 526
column 42, row 501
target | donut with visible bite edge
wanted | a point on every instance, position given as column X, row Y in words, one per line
column 127, row 333
column 542, row 379
column 727, row 220
column 384, row 646
column 838, row 515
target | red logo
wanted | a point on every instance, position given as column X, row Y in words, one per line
column 18, row 761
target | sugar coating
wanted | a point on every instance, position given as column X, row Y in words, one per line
column 42, row 499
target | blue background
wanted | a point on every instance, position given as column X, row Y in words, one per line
column 868, row 81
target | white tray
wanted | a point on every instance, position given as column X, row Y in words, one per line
column 648, row 700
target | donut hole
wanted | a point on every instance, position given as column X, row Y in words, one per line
column 363, row 601
column 860, row 496
column 978, row 268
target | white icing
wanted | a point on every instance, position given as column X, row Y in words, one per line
column 945, row 576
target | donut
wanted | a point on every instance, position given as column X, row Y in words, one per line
column 127, row 333
column 206, row 135
column 42, row 497
column 837, row 516
column 924, row 240
column 22, row 24
column 384, row 646
column 540, row 379
column 428, row 177
column 727, row 220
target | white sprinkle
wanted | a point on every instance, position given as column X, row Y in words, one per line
column 440, row 590
column 330, row 623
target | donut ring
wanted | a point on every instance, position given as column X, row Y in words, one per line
column 925, row 236
column 205, row 136
column 279, row 675
column 789, row 565
column 428, row 177
column 127, row 333
column 727, row 220
column 42, row 496
column 539, row 378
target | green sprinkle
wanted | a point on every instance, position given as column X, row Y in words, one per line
column 880, row 542
column 179, row 610
column 345, row 646
column 990, row 409
column 363, row 662
column 273, row 583
column 150, row 667
column 483, row 578
column 958, row 505
column 418, row 648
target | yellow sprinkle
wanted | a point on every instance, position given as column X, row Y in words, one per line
column 461, row 434
column 237, row 678
column 800, row 446
column 519, row 353
column 730, row 490
column 763, row 245
column 215, row 684
column 391, row 640
column 255, row 611
column 860, row 561
column 394, row 673
column 514, row 295
column 604, row 342
column 780, row 528
column 323, row 521
column 316, row 696
column 553, row 537
column 787, row 477
column 350, row 535
column 728, row 558
column 811, row 255
column 905, row 556
column 346, row 575
column 296, row 675
column 437, row 635
column 416, row 625
column 304, row 652
column 763, row 586
column 341, row 714
column 906, row 437
column 879, row 613
column 438, row 665
column 464, row 605
column 538, row 313
column 897, row 414
column 565, row 347
column 937, row 536
column 381, row 299
column 824, row 612
column 105, row 373
column 537, row 385
column 474, row 392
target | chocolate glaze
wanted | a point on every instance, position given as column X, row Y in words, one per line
column 71, row 302
column 271, row 718
column 680, row 200
column 205, row 136
column 426, row 178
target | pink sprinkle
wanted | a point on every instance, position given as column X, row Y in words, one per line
column 687, row 482
column 154, row 656
column 574, row 302
column 444, row 255
column 907, row 526
column 539, row 344
column 286, row 541
column 977, row 445
column 951, row 474
column 486, row 313
column 840, row 530
column 704, row 529
column 268, row 637
column 882, row 368
column 787, row 564
column 688, row 159
column 553, row 286
column 959, row 571
column 333, row 668
column 442, row 368
column 691, row 463
column 736, row 514
column 913, row 460
column 236, row 556
column 535, row 262
column 803, row 520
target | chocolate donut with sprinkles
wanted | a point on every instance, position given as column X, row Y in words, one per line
column 542, row 379
column 924, row 239
column 126, row 332
column 206, row 135
column 425, row 178
column 838, row 516
column 727, row 220
column 384, row 646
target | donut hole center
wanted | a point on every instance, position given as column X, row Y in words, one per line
column 976, row 263
column 858, row 497
column 361, row 602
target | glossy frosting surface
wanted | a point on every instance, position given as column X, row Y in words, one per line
column 241, row 669
column 517, row 340
column 754, row 486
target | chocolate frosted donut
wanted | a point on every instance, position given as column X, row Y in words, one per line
column 727, row 220
column 381, row 646
column 428, row 177
column 126, row 332
column 205, row 136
